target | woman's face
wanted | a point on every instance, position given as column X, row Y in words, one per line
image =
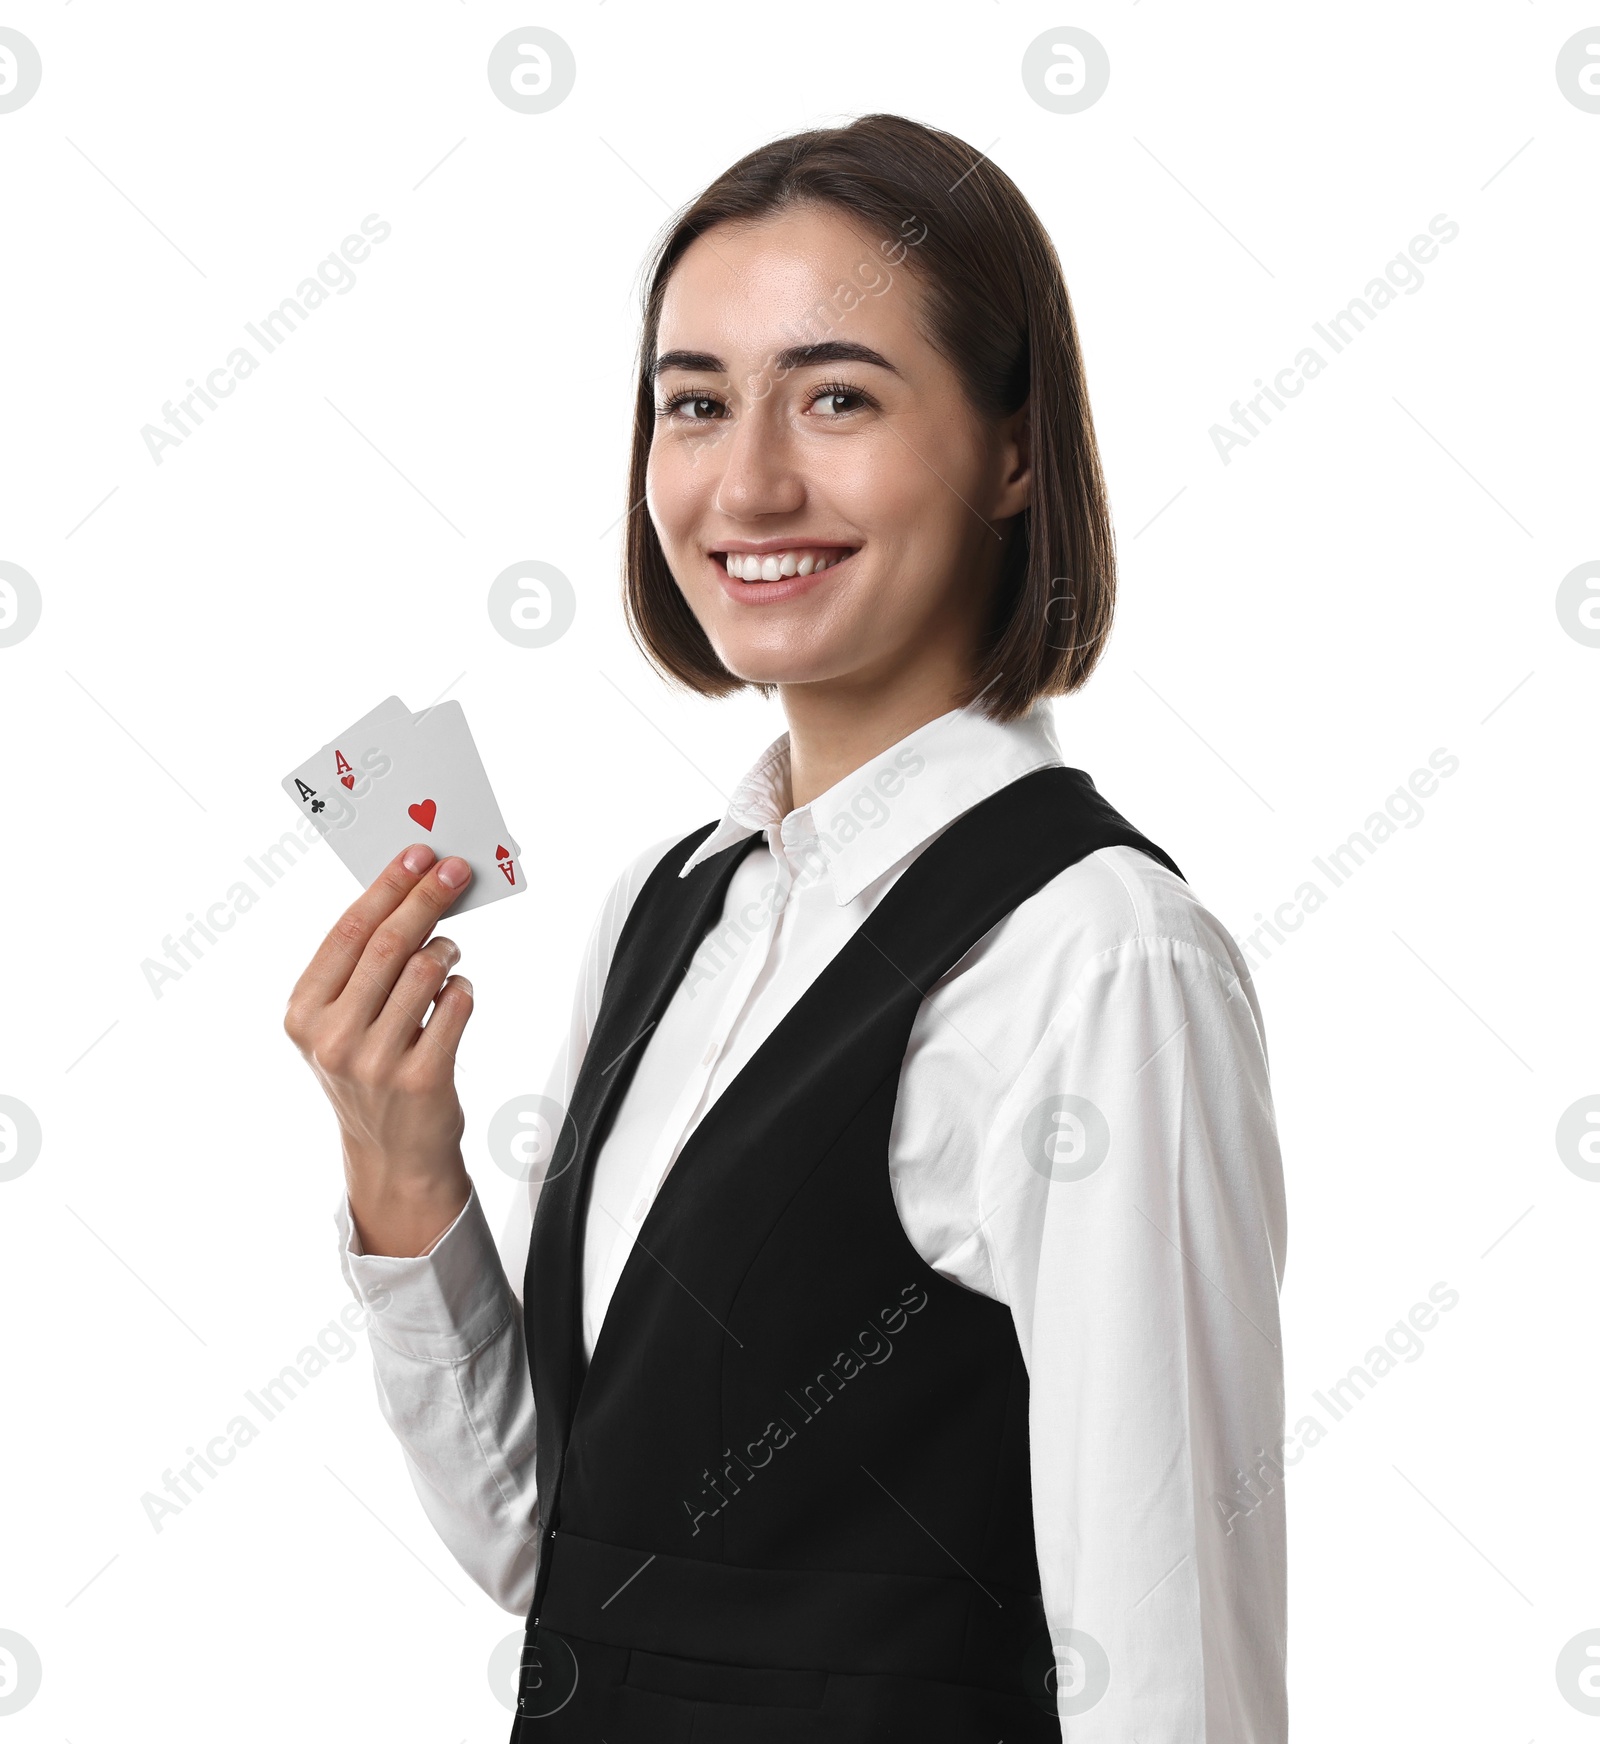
column 829, row 503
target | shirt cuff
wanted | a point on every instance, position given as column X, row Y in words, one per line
column 440, row 1306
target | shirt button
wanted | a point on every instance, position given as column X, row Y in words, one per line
column 709, row 1055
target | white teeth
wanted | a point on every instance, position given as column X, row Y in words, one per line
column 748, row 566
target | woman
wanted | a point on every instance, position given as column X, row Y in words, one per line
column 897, row 1354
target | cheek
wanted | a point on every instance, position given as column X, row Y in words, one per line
column 901, row 485
column 666, row 490
column 862, row 481
column 680, row 479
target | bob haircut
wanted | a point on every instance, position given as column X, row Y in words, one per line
column 997, row 307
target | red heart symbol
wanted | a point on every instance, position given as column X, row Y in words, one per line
column 347, row 780
column 424, row 814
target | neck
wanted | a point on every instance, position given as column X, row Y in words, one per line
column 835, row 728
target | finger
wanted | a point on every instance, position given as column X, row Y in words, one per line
column 329, row 971
column 396, row 1025
column 396, row 938
column 452, row 1006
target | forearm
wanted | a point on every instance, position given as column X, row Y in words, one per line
column 451, row 1371
column 402, row 1218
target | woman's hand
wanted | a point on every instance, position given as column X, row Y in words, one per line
column 357, row 1015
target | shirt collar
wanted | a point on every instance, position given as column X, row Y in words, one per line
column 890, row 806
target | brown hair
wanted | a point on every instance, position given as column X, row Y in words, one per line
column 998, row 309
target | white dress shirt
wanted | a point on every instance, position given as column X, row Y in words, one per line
column 1144, row 1291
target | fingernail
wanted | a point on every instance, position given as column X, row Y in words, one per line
column 454, row 872
column 462, row 981
column 452, row 952
column 417, row 859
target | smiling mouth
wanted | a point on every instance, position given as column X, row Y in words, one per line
column 777, row 565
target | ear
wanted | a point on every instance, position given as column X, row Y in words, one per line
column 1015, row 465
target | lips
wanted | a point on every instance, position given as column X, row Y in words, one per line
column 809, row 567
column 777, row 563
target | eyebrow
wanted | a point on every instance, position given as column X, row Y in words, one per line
column 790, row 358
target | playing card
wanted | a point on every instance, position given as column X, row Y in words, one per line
column 445, row 725
column 393, row 778
column 329, row 786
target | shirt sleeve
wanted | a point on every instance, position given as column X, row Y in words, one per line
column 1134, row 1208
column 445, row 1327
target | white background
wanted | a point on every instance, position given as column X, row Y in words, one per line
column 1373, row 578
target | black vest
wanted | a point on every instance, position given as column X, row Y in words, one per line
column 792, row 1486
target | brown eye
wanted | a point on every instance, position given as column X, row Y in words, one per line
column 693, row 408
column 838, row 401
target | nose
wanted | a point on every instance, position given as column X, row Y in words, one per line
column 759, row 471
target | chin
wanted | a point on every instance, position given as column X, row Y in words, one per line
column 780, row 665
